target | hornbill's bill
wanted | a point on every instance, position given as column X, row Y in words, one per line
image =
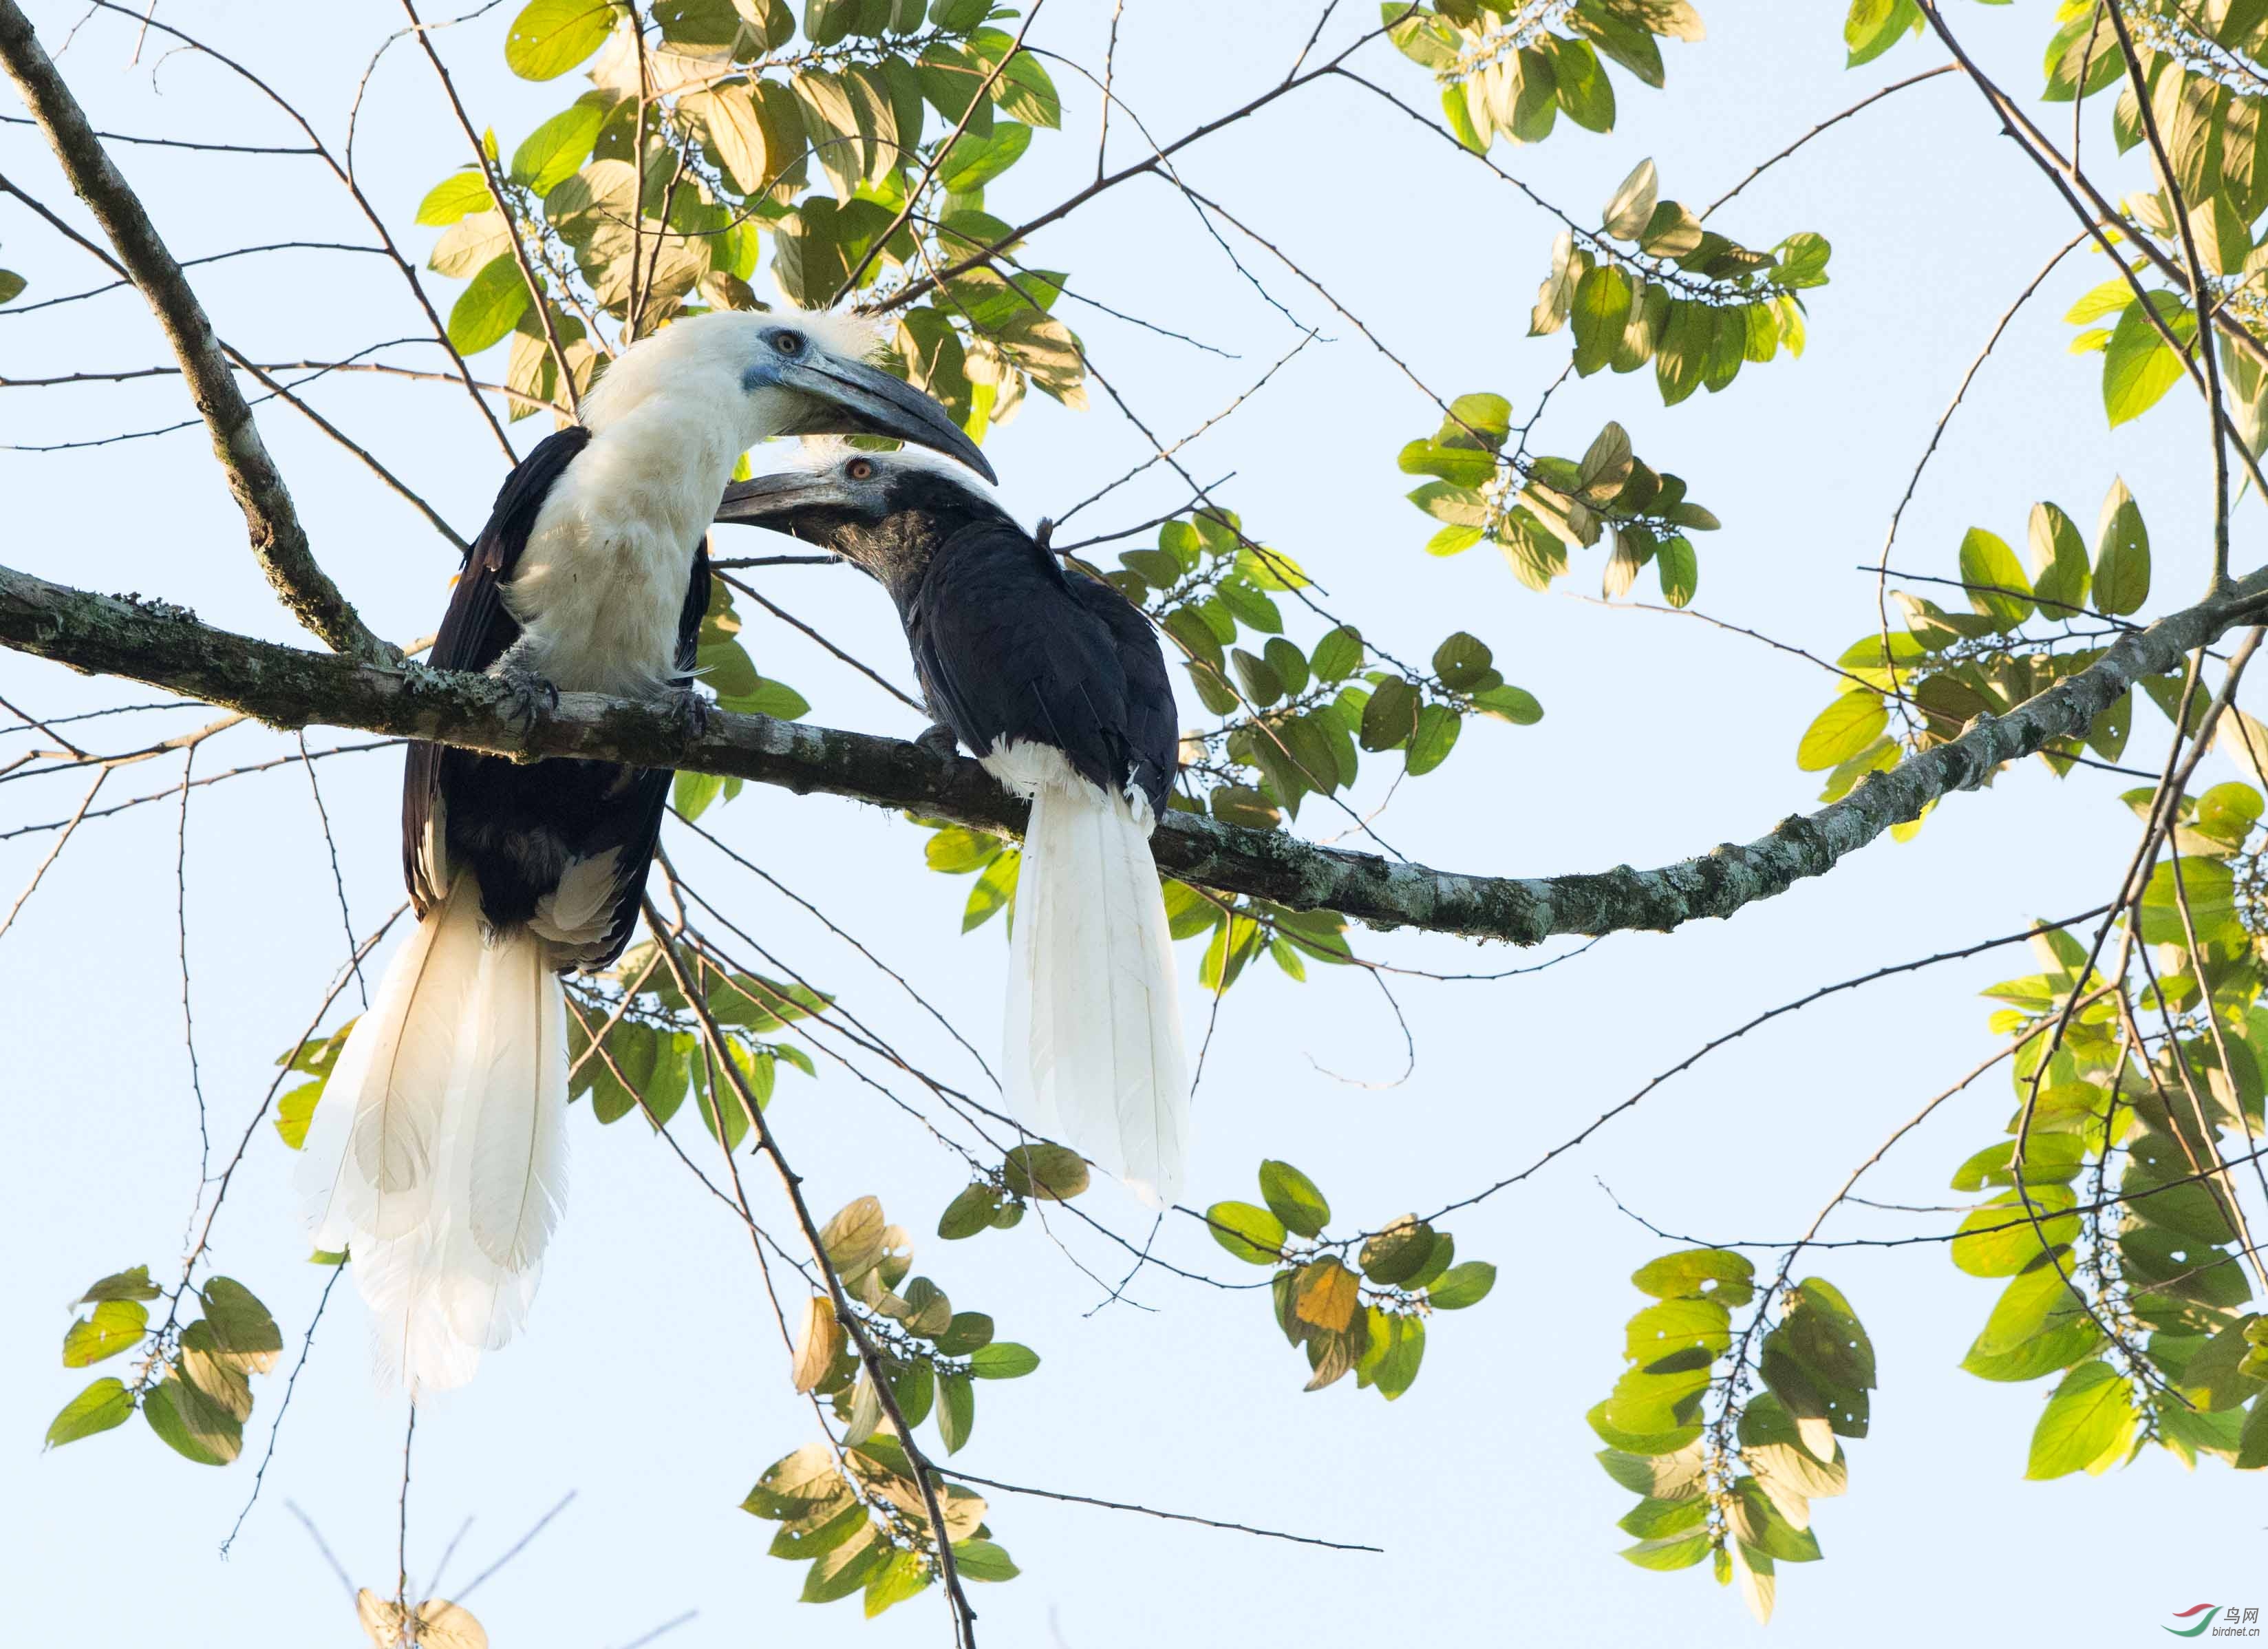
column 1055, row 682
column 438, row 1155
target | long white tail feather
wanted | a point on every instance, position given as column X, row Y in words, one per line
column 368, row 1164
column 438, row 1157
column 1093, row 1038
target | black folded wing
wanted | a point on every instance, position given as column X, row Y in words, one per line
column 1010, row 646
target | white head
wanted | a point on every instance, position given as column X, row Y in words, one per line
column 784, row 372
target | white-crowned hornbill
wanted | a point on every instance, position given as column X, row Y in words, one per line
column 1055, row 682
column 437, row 1156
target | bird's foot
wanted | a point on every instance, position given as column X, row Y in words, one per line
column 690, row 708
column 529, row 698
column 939, row 740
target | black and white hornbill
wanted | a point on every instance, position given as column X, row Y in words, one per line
column 436, row 1157
column 1055, row 682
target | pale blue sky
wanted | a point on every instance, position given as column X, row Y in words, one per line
column 652, row 1380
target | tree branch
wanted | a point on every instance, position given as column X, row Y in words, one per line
column 286, row 687
column 278, row 539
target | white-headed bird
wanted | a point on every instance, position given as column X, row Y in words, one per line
column 438, row 1156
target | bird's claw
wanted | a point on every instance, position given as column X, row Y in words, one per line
column 690, row 708
column 939, row 740
column 530, row 697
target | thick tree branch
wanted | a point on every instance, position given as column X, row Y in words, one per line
column 278, row 539
column 287, row 686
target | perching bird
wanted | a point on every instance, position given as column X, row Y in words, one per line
column 1055, row 682
column 436, row 1157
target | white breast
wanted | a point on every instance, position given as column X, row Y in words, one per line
column 600, row 587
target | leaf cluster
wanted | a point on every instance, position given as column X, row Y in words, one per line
column 1354, row 1305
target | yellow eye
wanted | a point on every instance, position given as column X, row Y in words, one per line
column 859, row 469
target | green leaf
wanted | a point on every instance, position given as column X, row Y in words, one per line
column 1003, row 1359
column 129, row 1284
column 117, row 1325
column 1398, row 1253
column 457, row 195
column 550, row 37
column 2059, row 556
column 1998, row 587
column 1679, row 569
column 2086, row 1425
column 1601, row 313
column 1052, row 1173
column 487, row 310
column 968, row 1331
column 1337, row 655
column 1997, row 1239
column 1874, row 26
column 1669, row 1551
column 1252, row 1234
column 11, row 286
column 2138, row 368
column 1698, row 1274
column 1677, row 1335
column 1513, row 705
column 1391, row 716
column 956, row 1410
column 1849, row 723
column 550, row 154
column 242, row 1326
column 973, row 162
column 1436, row 735
column 2122, row 555
column 1293, row 1199
column 1462, row 662
column 191, row 1423
column 901, row 1576
column 2252, row 1444
column 1462, row 1285
column 982, row 1560
column 969, row 1213
column 843, row 1570
column 104, row 1404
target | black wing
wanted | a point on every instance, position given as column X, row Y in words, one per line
column 1010, row 648
column 476, row 629
column 1152, row 727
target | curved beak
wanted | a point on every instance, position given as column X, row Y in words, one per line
column 852, row 398
column 779, row 501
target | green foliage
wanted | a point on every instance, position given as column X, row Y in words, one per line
column 1725, row 1471
column 651, row 1051
column 1654, row 286
column 859, row 1515
column 995, row 1200
column 1355, row 1305
column 634, row 209
column 192, row 1379
column 2025, row 631
column 1536, row 510
column 11, row 286
column 2122, row 1272
column 1513, row 69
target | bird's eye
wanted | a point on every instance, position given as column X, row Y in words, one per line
column 859, row 469
column 788, row 342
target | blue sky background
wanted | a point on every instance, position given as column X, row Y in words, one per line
column 651, row 1381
